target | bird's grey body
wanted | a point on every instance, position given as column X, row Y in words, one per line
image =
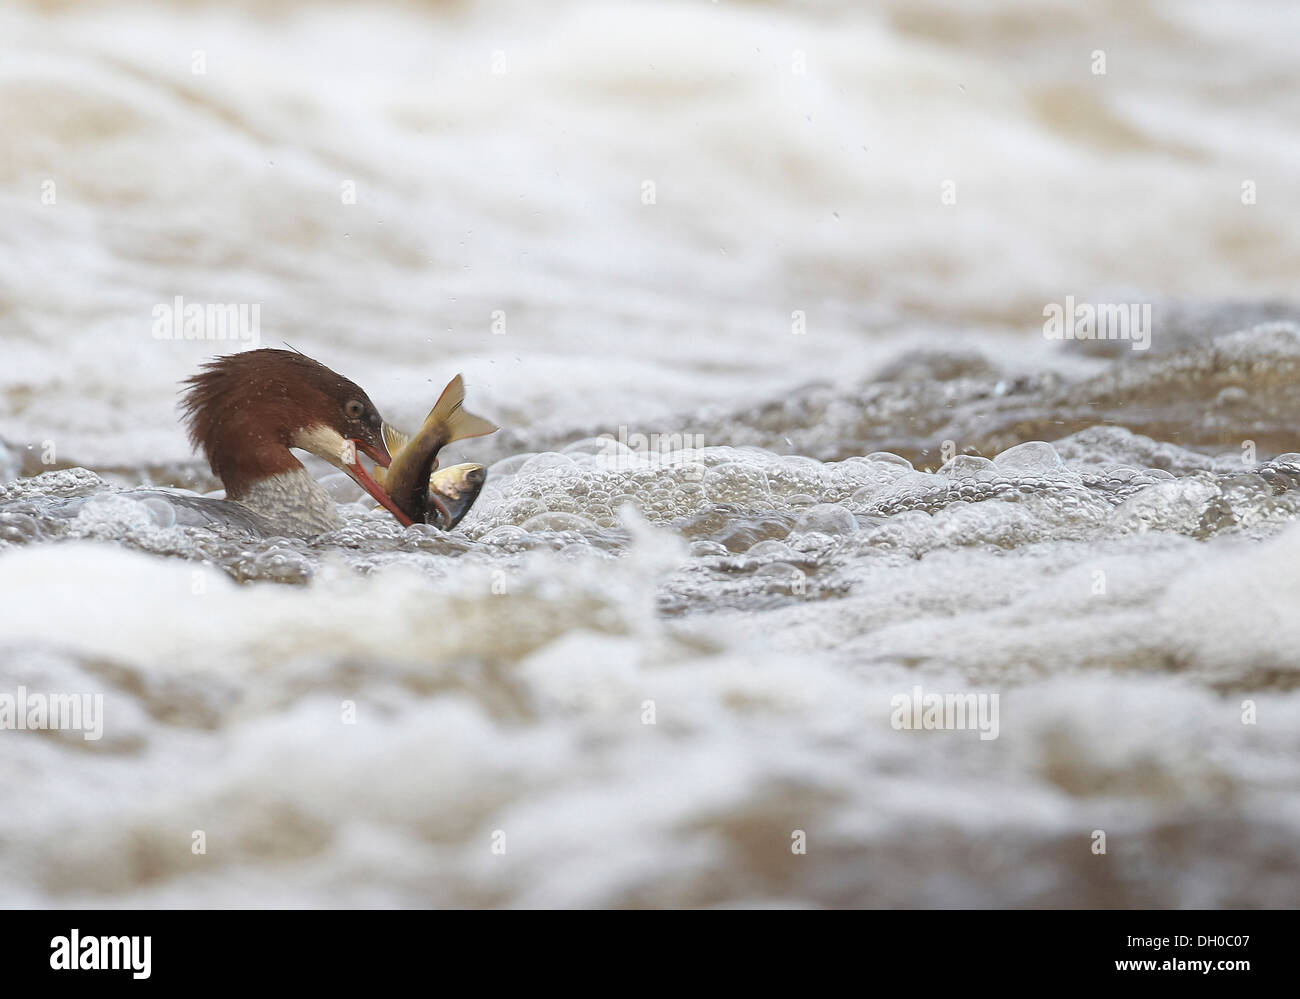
column 292, row 504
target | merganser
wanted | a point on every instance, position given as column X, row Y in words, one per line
column 245, row 411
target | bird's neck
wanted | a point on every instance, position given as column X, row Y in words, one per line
column 292, row 501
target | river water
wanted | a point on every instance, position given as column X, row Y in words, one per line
column 760, row 294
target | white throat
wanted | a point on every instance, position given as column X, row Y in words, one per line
column 324, row 442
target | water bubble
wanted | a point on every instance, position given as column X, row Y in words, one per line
column 770, row 549
column 577, row 550
column 781, row 577
column 885, row 458
column 845, row 478
column 703, row 549
column 1167, row 506
column 1032, row 456
column 504, row 536
column 735, row 482
column 509, row 466
column 741, row 535
column 519, row 509
column 112, row 512
column 796, row 476
column 547, row 462
column 162, row 512
column 279, row 562
column 867, row 496
column 562, row 502
column 826, row 518
column 970, row 466
column 688, row 497
column 557, row 522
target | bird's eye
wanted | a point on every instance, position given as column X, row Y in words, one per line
column 354, row 409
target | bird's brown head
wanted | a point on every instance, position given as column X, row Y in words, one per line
column 245, row 411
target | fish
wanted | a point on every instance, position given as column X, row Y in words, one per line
column 457, row 486
column 409, row 480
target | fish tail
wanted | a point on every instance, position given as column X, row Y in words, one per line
column 459, row 423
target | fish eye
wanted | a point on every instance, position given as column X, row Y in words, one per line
column 354, row 409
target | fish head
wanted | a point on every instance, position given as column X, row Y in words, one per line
column 454, row 489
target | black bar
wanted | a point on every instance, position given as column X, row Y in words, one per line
column 927, row 949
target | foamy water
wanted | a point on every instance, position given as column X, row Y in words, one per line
column 653, row 674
